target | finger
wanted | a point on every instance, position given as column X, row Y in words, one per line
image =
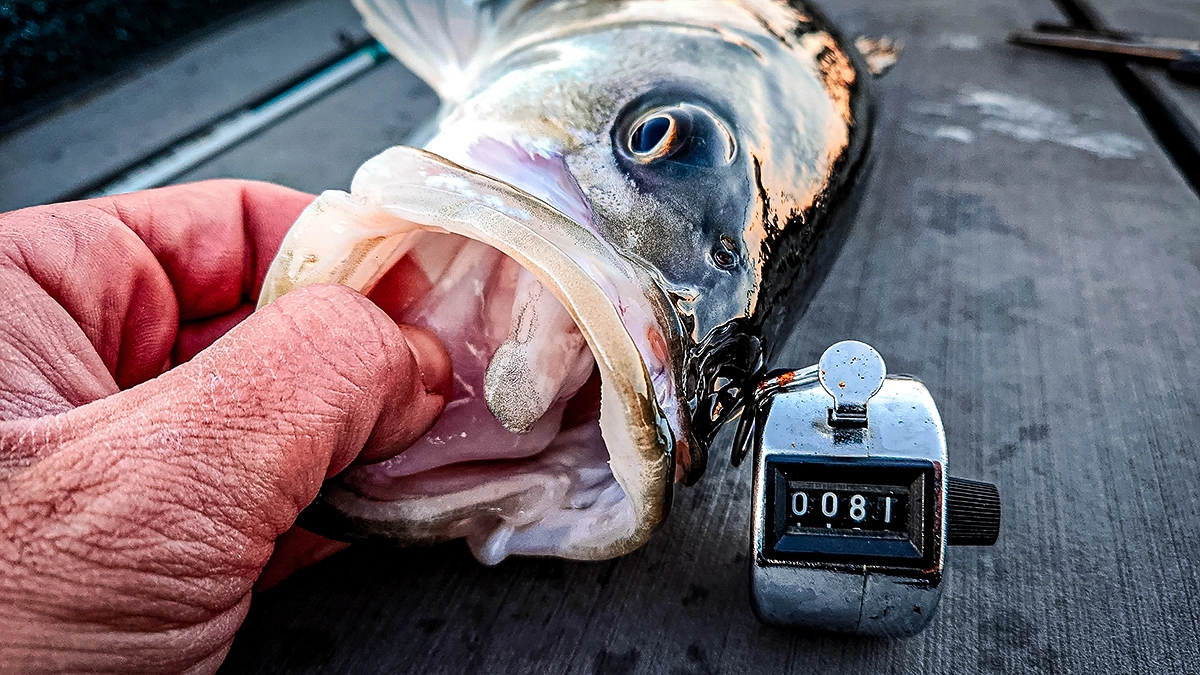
column 323, row 359
column 126, row 269
column 214, row 239
column 95, row 281
column 193, row 475
column 47, row 365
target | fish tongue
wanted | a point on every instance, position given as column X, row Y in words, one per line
column 545, row 358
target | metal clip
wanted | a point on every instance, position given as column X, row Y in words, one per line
column 852, row 372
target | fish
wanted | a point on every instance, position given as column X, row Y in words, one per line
column 613, row 222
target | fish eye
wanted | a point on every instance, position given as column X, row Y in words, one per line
column 724, row 253
column 684, row 134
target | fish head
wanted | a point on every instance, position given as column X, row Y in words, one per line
column 611, row 203
column 709, row 142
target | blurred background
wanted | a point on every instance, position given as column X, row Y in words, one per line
column 50, row 51
column 117, row 95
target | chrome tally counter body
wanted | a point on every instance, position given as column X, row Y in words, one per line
column 852, row 501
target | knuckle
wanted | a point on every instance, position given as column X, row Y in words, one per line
column 345, row 335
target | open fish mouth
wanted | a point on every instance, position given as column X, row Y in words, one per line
column 566, row 423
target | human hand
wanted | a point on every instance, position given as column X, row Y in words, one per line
column 138, row 507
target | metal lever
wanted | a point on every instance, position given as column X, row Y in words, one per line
column 852, row 372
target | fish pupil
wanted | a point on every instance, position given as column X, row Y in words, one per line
column 650, row 134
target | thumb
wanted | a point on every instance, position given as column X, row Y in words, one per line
column 234, row 443
column 287, row 398
column 158, row 506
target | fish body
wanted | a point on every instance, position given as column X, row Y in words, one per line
column 640, row 192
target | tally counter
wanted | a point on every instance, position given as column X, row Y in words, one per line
column 853, row 507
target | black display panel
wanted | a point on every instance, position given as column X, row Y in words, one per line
column 853, row 511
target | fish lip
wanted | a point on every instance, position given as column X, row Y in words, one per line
column 651, row 434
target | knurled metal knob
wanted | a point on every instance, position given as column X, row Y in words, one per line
column 972, row 513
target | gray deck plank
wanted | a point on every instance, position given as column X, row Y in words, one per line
column 1025, row 248
column 162, row 101
column 1184, row 97
column 1165, row 18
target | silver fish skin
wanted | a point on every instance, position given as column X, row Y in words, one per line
column 711, row 147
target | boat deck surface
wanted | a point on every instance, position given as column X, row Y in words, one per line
column 1025, row 246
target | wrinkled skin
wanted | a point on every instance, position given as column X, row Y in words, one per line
column 140, row 509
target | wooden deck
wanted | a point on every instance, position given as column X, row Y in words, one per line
column 1025, row 247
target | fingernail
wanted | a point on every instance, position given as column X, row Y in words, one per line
column 413, row 418
column 433, row 360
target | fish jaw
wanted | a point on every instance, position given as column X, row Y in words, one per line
column 592, row 491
